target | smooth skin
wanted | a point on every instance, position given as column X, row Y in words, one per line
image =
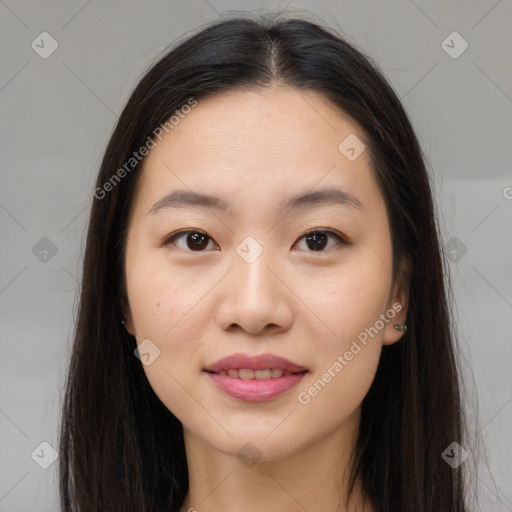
column 255, row 149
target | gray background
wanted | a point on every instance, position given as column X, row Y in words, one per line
column 57, row 114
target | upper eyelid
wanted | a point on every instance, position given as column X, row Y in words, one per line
column 342, row 238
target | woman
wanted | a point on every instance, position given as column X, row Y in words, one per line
column 263, row 321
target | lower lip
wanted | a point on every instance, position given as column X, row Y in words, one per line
column 255, row 390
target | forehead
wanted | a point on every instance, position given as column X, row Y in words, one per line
column 263, row 122
column 256, row 142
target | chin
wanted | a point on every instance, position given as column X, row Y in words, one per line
column 253, row 445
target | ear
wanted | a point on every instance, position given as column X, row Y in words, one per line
column 398, row 303
column 128, row 320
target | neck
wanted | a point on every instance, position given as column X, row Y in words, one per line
column 316, row 478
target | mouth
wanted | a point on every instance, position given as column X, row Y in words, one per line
column 258, row 363
column 255, row 378
column 251, row 374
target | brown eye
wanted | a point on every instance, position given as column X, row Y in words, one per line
column 194, row 241
column 318, row 240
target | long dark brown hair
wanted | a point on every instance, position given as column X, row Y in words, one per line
column 121, row 449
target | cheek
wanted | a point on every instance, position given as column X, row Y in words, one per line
column 168, row 307
column 348, row 300
column 350, row 306
column 160, row 296
column 348, row 359
column 162, row 307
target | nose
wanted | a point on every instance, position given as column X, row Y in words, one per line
column 254, row 298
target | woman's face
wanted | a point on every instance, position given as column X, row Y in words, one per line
column 238, row 275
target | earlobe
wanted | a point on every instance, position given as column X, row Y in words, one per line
column 396, row 328
column 127, row 322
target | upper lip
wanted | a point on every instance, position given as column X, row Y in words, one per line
column 259, row 362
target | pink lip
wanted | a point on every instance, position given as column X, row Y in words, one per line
column 259, row 362
column 255, row 390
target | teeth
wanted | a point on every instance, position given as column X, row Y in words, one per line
column 275, row 373
column 248, row 374
column 262, row 374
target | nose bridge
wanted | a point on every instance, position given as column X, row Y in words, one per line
column 251, row 273
column 254, row 297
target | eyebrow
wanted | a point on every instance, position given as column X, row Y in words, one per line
column 323, row 197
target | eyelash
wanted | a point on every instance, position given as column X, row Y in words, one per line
column 340, row 238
